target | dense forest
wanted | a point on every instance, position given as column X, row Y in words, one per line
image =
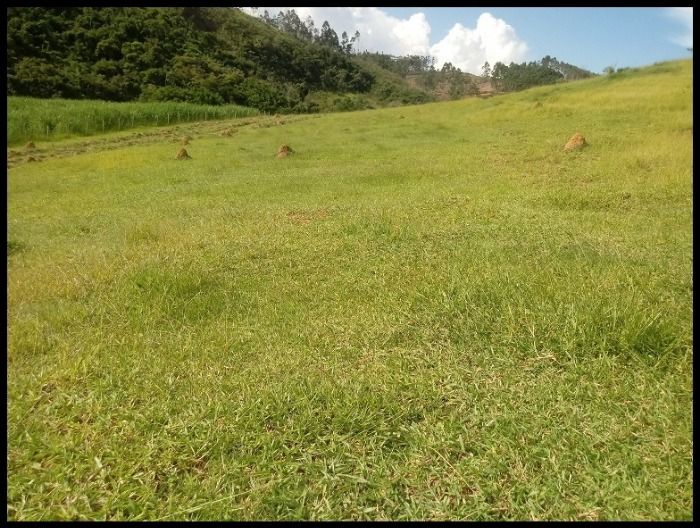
column 201, row 55
column 215, row 56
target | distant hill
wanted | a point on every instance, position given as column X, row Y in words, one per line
column 451, row 83
column 200, row 55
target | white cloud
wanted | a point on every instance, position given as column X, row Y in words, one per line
column 491, row 40
column 684, row 15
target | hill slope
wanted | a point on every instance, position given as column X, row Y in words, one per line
column 201, row 55
column 427, row 312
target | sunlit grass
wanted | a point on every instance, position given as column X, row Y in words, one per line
column 424, row 313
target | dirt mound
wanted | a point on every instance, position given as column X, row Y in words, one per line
column 284, row 151
column 182, row 154
column 576, row 141
column 30, row 146
column 185, row 140
column 229, row 132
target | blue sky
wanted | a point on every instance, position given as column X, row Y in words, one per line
column 591, row 38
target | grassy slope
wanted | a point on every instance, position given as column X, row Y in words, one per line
column 435, row 316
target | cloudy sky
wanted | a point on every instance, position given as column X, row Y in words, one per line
column 592, row 38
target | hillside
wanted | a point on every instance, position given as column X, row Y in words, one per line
column 450, row 83
column 441, row 90
column 199, row 55
column 425, row 312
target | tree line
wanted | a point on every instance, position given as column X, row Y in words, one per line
column 306, row 30
column 528, row 74
column 504, row 77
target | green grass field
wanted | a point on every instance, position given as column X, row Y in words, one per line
column 428, row 312
column 30, row 119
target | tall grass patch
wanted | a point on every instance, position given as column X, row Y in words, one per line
column 31, row 119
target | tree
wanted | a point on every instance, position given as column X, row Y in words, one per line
column 497, row 75
column 486, row 69
column 356, row 37
column 289, row 22
column 313, row 30
column 267, row 18
column 430, row 78
column 328, row 36
column 455, row 80
column 345, row 43
column 457, row 86
column 447, row 68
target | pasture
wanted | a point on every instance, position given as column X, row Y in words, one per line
column 427, row 312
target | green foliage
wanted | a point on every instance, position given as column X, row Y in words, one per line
column 521, row 76
column 94, row 52
column 403, row 66
column 568, row 71
column 263, row 94
column 455, row 80
column 429, row 79
column 198, row 55
column 525, row 75
column 386, row 91
column 305, row 30
column 333, row 102
column 196, row 95
column 30, row 119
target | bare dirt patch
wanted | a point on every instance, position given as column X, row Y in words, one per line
column 302, row 217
